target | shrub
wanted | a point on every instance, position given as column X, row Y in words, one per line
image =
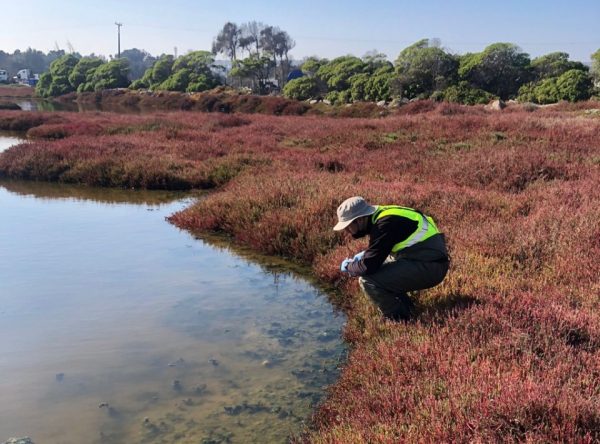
column 56, row 81
column 113, row 74
column 301, row 89
column 465, row 94
column 84, row 70
column 176, row 82
column 574, row 85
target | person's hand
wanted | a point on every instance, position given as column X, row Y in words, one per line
column 344, row 265
column 358, row 256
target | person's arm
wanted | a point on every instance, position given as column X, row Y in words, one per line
column 386, row 233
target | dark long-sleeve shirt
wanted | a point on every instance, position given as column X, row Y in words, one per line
column 387, row 232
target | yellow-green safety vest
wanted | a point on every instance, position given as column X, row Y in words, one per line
column 425, row 229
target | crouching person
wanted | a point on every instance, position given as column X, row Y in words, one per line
column 406, row 252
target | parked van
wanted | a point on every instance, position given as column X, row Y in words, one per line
column 3, row 75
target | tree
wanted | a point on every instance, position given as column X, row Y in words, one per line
column 139, row 62
column 200, row 71
column 373, row 86
column 554, row 64
column 251, row 36
column 312, row 64
column 178, row 81
column 192, row 72
column 34, row 60
column 573, row 85
column 596, row 66
column 376, row 59
column 301, row 89
column 277, row 43
column 113, row 74
column 465, row 94
column 83, row 72
column 256, row 67
column 423, row 68
column 63, row 66
column 43, row 85
column 56, row 82
column 227, row 41
column 260, row 41
column 501, row 69
column 337, row 73
column 157, row 74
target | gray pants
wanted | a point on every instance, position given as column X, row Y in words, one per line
column 415, row 269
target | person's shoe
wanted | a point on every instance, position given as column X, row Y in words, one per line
column 404, row 311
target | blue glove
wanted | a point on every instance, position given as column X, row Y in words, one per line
column 344, row 265
column 358, row 256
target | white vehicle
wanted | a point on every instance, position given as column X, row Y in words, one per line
column 23, row 76
column 3, row 75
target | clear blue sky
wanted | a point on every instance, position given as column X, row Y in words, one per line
column 323, row 28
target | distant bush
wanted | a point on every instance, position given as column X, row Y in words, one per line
column 83, row 72
column 56, row 81
column 373, row 87
column 70, row 73
column 110, row 75
column 573, row 85
column 465, row 94
column 192, row 72
column 301, row 89
column 339, row 97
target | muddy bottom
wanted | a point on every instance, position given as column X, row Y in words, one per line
column 116, row 327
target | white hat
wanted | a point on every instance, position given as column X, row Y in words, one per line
column 351, row 209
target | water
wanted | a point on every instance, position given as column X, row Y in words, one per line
column 8, row 139
column 116, row 327
column 49, row 105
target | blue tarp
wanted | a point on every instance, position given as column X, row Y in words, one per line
column 295, row 74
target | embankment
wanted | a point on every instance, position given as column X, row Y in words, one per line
column 222, row 100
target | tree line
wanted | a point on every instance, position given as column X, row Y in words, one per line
column 424, row 70
column 33, row 59
column 259, row 60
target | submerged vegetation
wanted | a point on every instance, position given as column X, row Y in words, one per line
column 506, row 349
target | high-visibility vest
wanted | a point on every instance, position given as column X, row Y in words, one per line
column 425, row 229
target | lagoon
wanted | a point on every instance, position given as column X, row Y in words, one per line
column 117, row 327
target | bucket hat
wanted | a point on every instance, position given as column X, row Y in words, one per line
column 351, row 209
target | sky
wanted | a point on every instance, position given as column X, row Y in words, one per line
column 322, row 28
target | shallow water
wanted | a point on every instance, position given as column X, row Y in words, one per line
column 8, row 139
column 115, row 326
column 49, row 105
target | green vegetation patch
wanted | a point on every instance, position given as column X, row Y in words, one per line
column 143, row 127
column 297, row 142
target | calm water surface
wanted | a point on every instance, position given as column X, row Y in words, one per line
column 9, row 139
column 47, row 105
column 117, row 327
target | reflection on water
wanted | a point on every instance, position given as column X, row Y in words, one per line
column 44, row 190
column 117, row 327
column 78, row 107
column 8, row 139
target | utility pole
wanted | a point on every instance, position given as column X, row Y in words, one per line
column 119, row 35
